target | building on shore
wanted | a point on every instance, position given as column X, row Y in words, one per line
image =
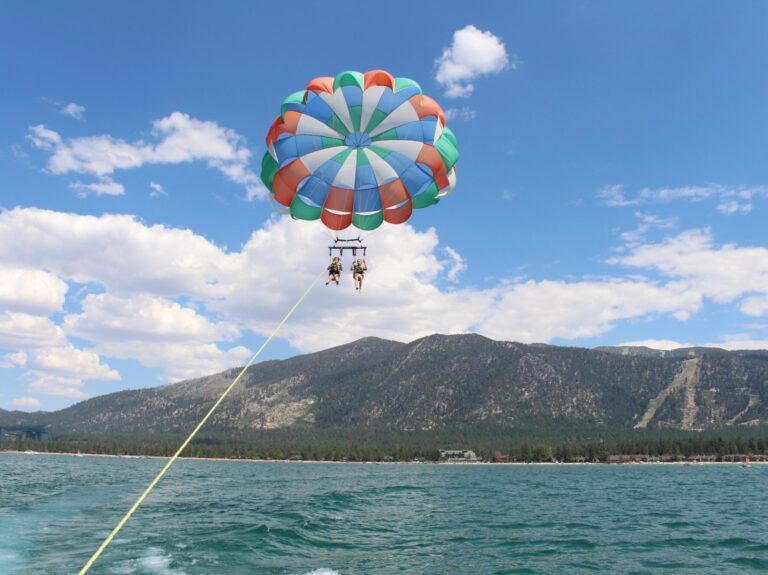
column 458, row 456
column 19, row 433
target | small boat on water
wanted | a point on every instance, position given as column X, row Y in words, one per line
column 745, row 462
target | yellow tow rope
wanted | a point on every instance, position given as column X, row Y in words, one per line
column 170, row 462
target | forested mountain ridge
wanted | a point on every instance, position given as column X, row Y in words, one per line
column 443, row 382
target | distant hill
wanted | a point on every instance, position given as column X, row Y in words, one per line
column 444, row 382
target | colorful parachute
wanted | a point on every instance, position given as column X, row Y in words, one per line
column 359, row 149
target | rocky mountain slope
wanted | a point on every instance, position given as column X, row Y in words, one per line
column 439, row 382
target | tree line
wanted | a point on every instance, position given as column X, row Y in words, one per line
column 371, row 445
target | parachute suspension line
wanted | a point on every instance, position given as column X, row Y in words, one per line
column 192, row 435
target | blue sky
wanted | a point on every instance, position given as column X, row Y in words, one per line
column 612, row 185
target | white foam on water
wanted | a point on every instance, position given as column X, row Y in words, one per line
column 153, row 562
column 323, row 571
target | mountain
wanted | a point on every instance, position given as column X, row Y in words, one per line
column 443, row 382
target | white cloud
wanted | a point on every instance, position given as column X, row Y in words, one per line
column 740, row 341
column 723, row 273
column 691, row 193
column 173, row 300
column 662, row 344
column 106, row 186
column 732, row 199
column 178, row 138
column 73, row 110
column 543, row 310
column 157, row 190
column 52, row 364
column 43, row 138
column 144, row 318
column 70, row 362
column 458, row 264
column 755, row 306
column 463, row 114
column 473, row 54
column 18, row 359
column 31, row 291
column 731, row 342
column 157, row 332
column 647, row 222
column 182, row 360
column 26, row 402
column 614, row 195
column 735, row 207
column 25, row 331
column 50, row 384
column 109, row 249
column 61, row 370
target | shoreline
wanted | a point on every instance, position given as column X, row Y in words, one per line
column 452, row 463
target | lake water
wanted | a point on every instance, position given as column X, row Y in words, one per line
column 209, row 517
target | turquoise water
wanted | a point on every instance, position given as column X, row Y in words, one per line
column 294, row 519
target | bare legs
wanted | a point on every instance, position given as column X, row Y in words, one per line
column 333, row 278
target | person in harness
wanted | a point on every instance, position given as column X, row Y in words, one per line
column 334, row 270
column 358, row 273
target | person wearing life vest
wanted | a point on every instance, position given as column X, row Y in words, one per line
column 358, row 273
column 334, row 270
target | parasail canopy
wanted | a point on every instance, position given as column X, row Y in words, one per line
column 359, row 149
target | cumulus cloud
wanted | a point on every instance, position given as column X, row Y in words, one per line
column 70, row 362
column 18, row 359
column 543, row 310
column 731, row 199
column 33, row 291
column 474, row 53
column 109, row 249
column 184, row 312
column 56, row 367
column 722, row 273
column 21, row 331
column 73, row 110
column 755, row 306
column 247, row 288
column 26, row 401
column 177, row 138
column 157, row 332
column 51, row 384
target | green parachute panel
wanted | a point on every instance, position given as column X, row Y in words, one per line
column 448, row 133
column 336, row 123
column 401, row 83
column 376, row 118
column 303, row 211
column 448, row 152
column 426, row 198
column 348, row 78
column 269, row 168
column 390, row 134
column 368, row 221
